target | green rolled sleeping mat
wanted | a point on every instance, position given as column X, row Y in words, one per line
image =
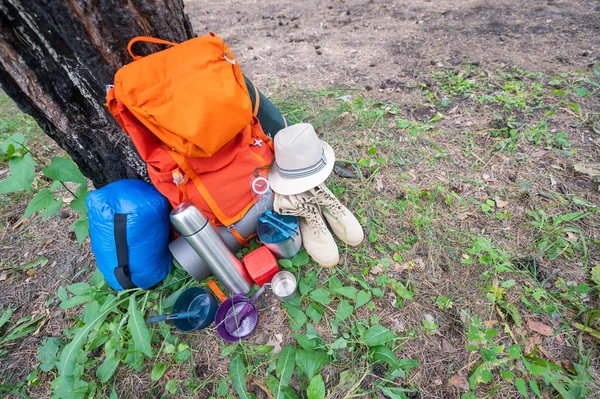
column 269, row 116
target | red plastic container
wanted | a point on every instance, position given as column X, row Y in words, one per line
column 261, row 265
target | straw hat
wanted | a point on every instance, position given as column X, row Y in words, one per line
column 302, row 161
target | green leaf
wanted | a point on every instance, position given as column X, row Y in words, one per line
column 47, row 353
column 22, row 173
column 362, row 298
column 403, row 123
column 311, row 362
column 6, row 315
column 316, row 388
column 286, row 392
column 296, row 316
column 222, row 388
column 68, row 356
column 339, row 343
column 182, row 356
column 507, row 375
column 157, row 371
column 284, row 368
column 228, row 350
column 40, row 261
column 468, row 395
column 377, row 335
column 304, row 342
column 134, row 358
column 344, row 310
column 64, row 170
column 113, row 394
column 321, row 296
column 315, row 312
column 172, row 387
column 581, row 91
column 575, row 107
column 81, row 228
column 348, row 292
column 78, row 203
column 79, row 288
column 137, row 328
column 384, row 354
column 15, row 141
column 107, row 368
column 395, row 392
column 75, row 301
column 52, row 208
column 514, row 351
column 407, row 364
column 486, row 376
column 41, row 200
column 286, row 263
column 301, row 259
column 535, row 388
column 521, row 386
column 237, row 374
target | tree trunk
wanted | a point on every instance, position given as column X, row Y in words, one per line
column 56, row 58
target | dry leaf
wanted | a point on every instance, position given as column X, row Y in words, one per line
column 540, row 328
column 490, row 323
column 276, row 343
column 3, row 276
column 545, row 352
column 462, row 216
column 393, row 299
column 31, row 272
column 539, row 153
column 419, row 264
column 531, row 343
column 460, row 382
column 567, row 365
column 572, row 236
column 591, row 170
column 500, row 203
column 447, row 346
column 378, row 184
column 376, row 270
column 404, row 266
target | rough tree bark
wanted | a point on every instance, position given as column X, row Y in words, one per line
column 57, row 56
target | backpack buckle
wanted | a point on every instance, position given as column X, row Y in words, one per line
column 257, row 142
column 232, row 61
column 178, row 178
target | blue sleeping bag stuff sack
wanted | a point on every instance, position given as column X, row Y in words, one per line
column 129, row 230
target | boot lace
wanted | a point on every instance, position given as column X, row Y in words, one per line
column 329, row 202
column 309, row 210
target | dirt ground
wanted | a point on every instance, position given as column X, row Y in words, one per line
column 385, row 45
column 380, row 49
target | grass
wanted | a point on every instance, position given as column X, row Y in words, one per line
column 479, row 278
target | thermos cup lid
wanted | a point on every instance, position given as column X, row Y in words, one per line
column 187, row 219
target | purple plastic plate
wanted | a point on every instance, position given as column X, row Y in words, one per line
column 246, row 326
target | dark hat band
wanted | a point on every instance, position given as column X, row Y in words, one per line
column 303, row 172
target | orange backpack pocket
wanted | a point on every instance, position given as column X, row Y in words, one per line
column 191, row 96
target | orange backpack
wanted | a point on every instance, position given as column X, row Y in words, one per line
column 189, row 114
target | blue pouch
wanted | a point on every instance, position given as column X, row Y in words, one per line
column 129, row 231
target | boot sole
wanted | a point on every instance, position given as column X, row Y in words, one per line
column 329, row 266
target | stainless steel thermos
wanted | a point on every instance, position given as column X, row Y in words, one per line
column 207, row 242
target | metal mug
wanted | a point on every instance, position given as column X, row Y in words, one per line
column 284, row 286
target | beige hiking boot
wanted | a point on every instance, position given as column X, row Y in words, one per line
column 343, row 223
column 317, row 239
